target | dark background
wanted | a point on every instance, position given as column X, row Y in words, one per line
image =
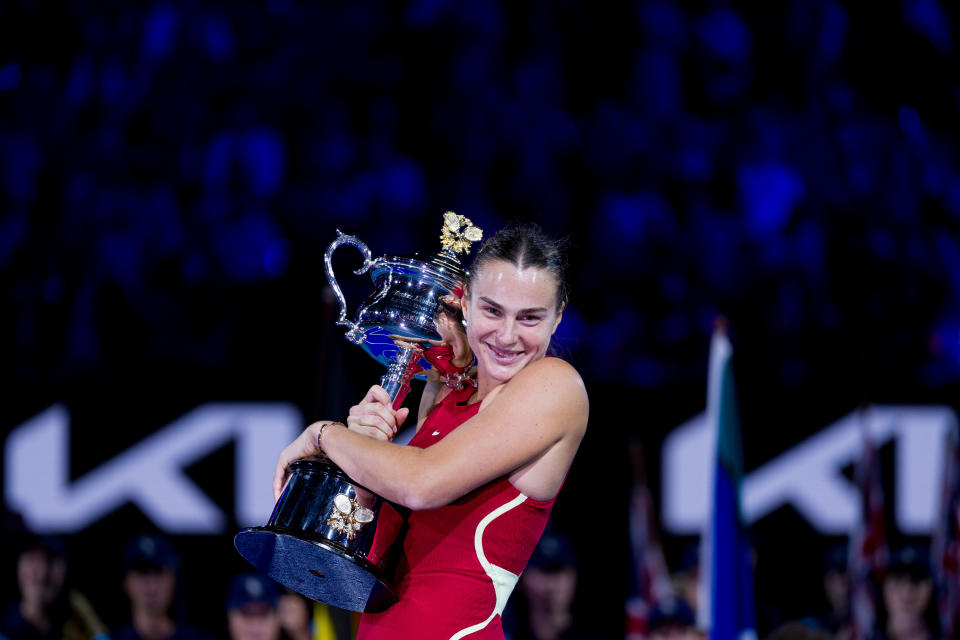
column 172, row 172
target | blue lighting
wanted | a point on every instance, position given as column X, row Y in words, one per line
column 911, row 125
column 277, row 257
column 725, row 35
column 769, row 193
column 159, row 32
column 53, row 289
column 928, row 19
column 219, row 39
column 9, row 77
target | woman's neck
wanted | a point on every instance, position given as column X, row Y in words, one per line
column 485, row 385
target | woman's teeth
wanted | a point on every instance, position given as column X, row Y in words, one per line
column 500, row 354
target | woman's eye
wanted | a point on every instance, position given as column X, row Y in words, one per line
column 491, row 311
column 530, row 319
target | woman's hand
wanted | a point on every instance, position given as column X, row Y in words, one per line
column 375, row 417
column 305, row 445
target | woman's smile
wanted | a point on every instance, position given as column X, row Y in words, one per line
column 504, row 356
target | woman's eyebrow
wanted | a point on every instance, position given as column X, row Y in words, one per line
column 492, row 303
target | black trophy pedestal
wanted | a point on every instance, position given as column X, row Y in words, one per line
column 319, row 540
column 319, row 571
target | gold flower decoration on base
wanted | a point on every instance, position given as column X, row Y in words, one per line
column 458, row 233
column 347, row 516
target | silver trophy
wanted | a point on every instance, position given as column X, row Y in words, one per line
column 320, row 539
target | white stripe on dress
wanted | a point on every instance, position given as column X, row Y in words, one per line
column 503, row 580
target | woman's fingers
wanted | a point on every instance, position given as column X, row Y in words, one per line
column 373, row 415
column 376, row 393
column 281, row 472
column 367, row 424
column 374, row 411
column 305, row 445
column 279, row 480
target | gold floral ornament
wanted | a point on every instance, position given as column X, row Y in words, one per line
column 348, row 517
column 458, row 233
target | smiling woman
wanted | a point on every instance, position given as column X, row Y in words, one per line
column 515, row 301
column 488, row 459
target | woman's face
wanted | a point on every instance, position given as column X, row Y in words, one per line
column 511, row 314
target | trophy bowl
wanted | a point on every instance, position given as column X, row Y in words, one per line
column 322, row 539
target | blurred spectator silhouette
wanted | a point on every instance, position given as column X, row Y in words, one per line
column 908, row 608
column 686, row 579
column 253, row 608
column 48, row 609
column 294, row 612
column 151, row 566
column 544, row 610
column 836, row 591
column 672, row 619
column 797, row 630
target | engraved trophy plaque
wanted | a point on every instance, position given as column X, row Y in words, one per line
column 318, row 539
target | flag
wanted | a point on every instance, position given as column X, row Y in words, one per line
column 868, row 542
column 945, row 550
column 725, row 606
column 650, row 581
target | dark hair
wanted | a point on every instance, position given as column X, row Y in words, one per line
column 525, row 245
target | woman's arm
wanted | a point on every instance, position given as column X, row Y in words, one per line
column 542, row 406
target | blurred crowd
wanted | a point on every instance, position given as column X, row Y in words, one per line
column 47, row 606
column 159, row 160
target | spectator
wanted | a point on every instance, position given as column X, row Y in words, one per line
column 548, row 586
column 294, row 612
column 908, row 610
column 48, row 609
column 686, row 580
column 150, row 582
column 798, row 630
column 252, row 608
column 672, row 619
column 836, row 590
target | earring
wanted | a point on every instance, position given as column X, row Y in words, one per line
column 464, row 323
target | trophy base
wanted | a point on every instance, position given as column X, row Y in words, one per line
column 319, row 571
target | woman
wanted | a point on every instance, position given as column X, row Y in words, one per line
column 487, row 461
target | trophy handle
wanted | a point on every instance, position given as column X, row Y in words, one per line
column 356, row 334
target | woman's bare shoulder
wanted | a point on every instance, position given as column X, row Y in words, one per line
column 550, row 385
column 552, row 372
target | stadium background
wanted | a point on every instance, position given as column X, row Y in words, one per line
column 171, row 173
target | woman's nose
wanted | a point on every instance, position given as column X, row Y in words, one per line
column 507, row 333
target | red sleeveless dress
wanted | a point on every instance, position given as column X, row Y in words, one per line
column 461, row 561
